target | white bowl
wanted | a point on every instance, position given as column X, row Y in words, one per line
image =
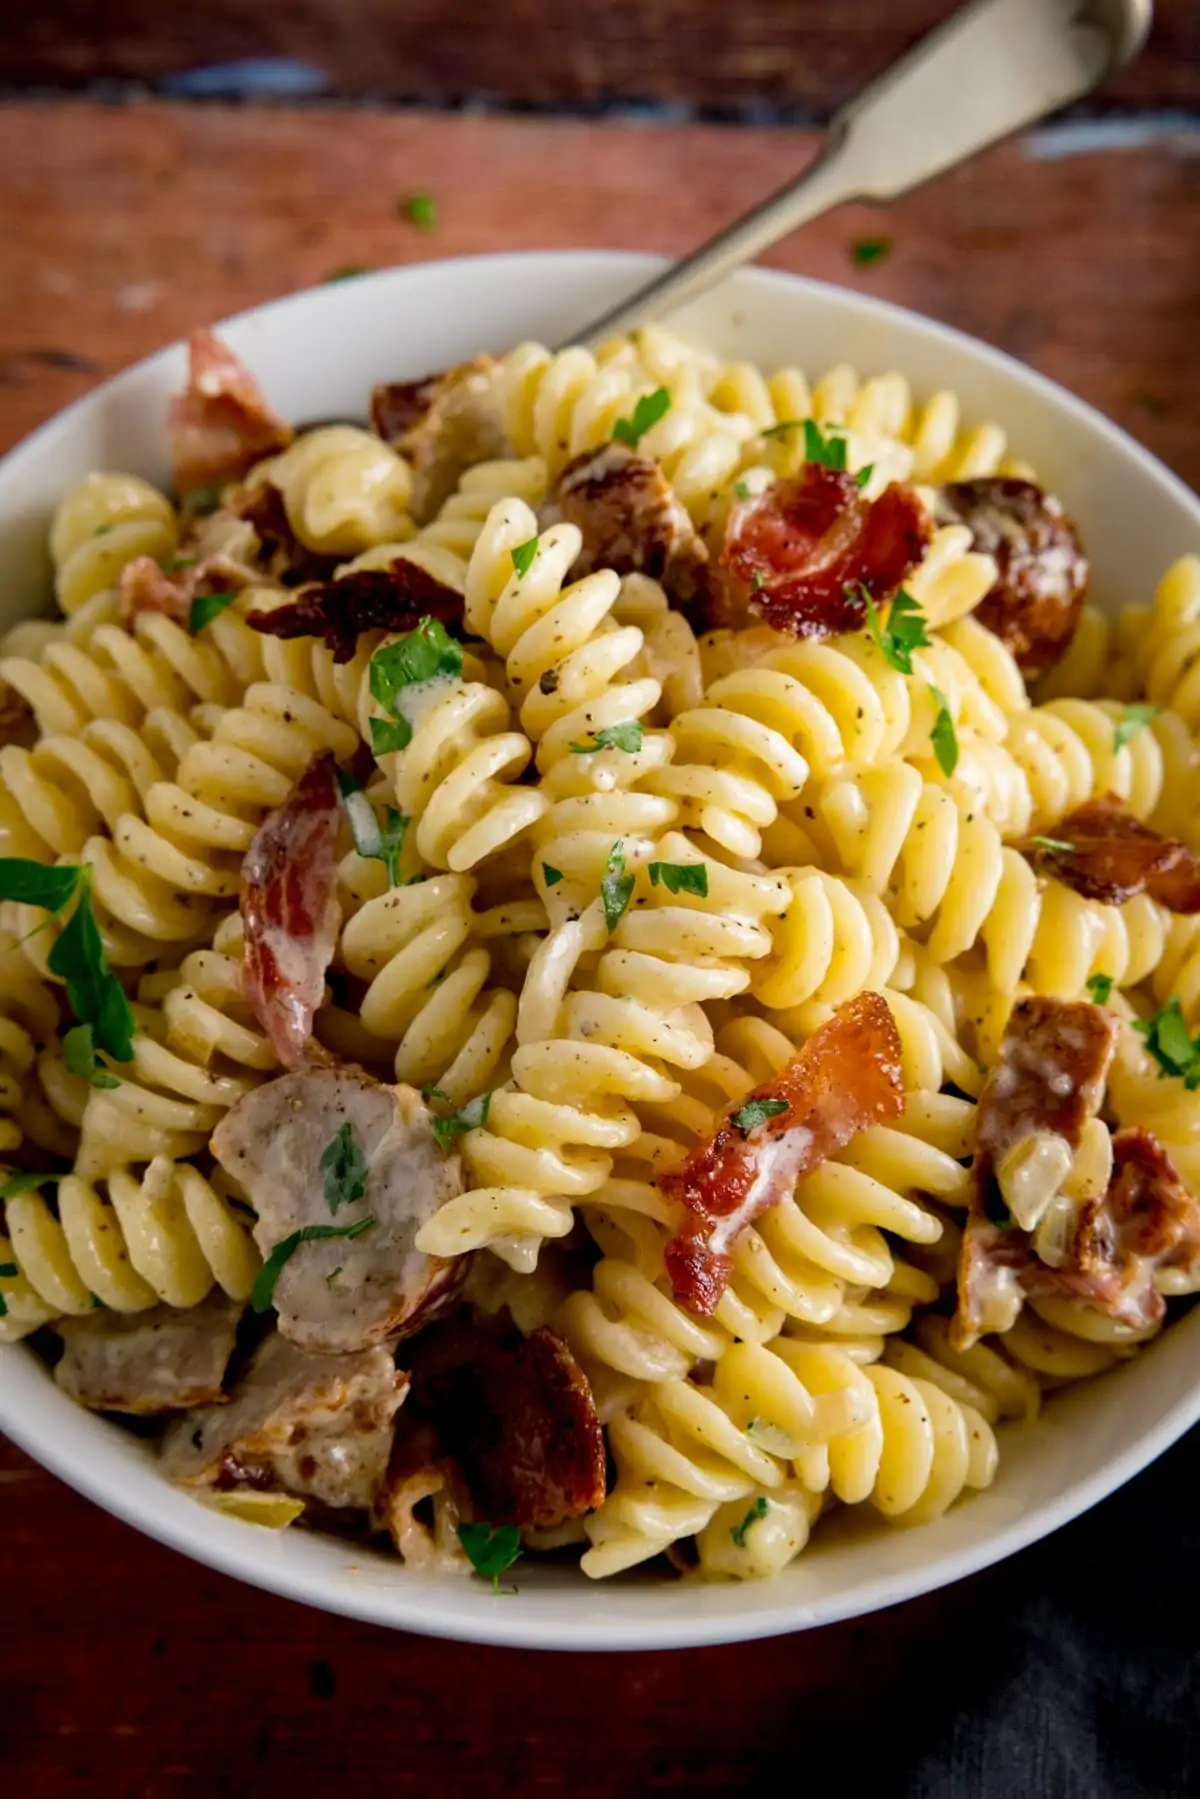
column 318, row 354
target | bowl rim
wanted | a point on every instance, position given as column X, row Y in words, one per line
column 236, row 1550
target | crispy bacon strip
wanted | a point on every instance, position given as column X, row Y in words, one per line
column 522, row 1425
column 221, row 423
column 1042, row 571
column 443, row 424
column 1109, row 855
column 845, row 1078
column 630, row 519
column 800, row 555
column 395, row 598
column 1047, row 1083
column 289, row 911
column 145, row 587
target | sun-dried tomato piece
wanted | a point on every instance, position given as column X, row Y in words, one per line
column 221, row 423
column 289, row 911
column 630, row 519
column 522, row 1425
column 802, row 554
column 1042, row 570
column 845, row 1078
column 1102, row 852
column 395, row 598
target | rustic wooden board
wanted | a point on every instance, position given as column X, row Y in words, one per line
column 129, row 226
column 805, row 55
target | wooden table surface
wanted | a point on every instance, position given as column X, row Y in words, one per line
column 126, row 1670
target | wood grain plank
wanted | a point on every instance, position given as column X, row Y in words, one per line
column 792, row 54
column 135, row 1672
column 134, row 224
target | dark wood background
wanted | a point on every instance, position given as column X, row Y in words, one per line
column 131, row 210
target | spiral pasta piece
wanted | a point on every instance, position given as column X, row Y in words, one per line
column 166, row 1237
column 343, row 489
column 99, row 525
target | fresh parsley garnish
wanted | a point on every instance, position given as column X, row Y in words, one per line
column 523, row 555
column 829, row 451
column 471, row 1117
column 23, row 1183
column 904, row 632
column 79, row 1055
column 379, row 843
column 782, row 425
column 756, row 1112
column 757, row 580
column 757, row 1510
column 867, row 252
column 34, row 884
column 8, row 1271
column 943, row 736
column 420, row 210
column 263, row 1292
column 1171, row 1044
column 347, row 272
column 205, row 607
column 423, row 655
column 616, row 887
column 741, row 491
column 1134, row 719
column 1057, row 844
column 626, row 736
column 680, row 877
column 491, row 1548
column 345, row 1168
column 646, row 414
column 551, row 876
column 864, row 474
column 94, row 994
column 1100, row 988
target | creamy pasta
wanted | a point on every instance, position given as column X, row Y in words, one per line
column 618, row 954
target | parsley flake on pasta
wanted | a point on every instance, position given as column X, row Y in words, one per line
column 943, row 736
column 757, row 1510
column 627, row 736
column 647, row 412
column 1171, row 1043
column 345, row 1168
column 1133, row 719
column 680, row 877
column 616, row 887
column 491, row 1549
column 904, row 632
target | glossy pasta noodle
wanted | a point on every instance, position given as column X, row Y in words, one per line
column 644, row 848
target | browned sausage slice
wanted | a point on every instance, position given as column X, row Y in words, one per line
column 344, row 1293
column 162, row 1360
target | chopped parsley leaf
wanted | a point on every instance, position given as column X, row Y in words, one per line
column 377, row 843
column 756, row 1112
column 200, row 501
column 23, row 1183
column 420, row 210
column 864, row 474
column 1100, row 988
column 345, row 1168
column 346, row 272
column 551, row 876
column 943, row 737
column 422, row 655
column 646, row 414
column 827, row 450
column 757, row 1510
column 1059, row 844
column 263, row 1293
column 1171, row 1044
column 626, row 736
column 904, row 632
column 205, row 607
column 1132, row 720
column 680, row 877
column 868, row 252
column 741, row 491
column 523, row 555
column 79, row 1055
column 491, row 1549
column 471, row 1117
column 616, row 887
column 78, row 957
